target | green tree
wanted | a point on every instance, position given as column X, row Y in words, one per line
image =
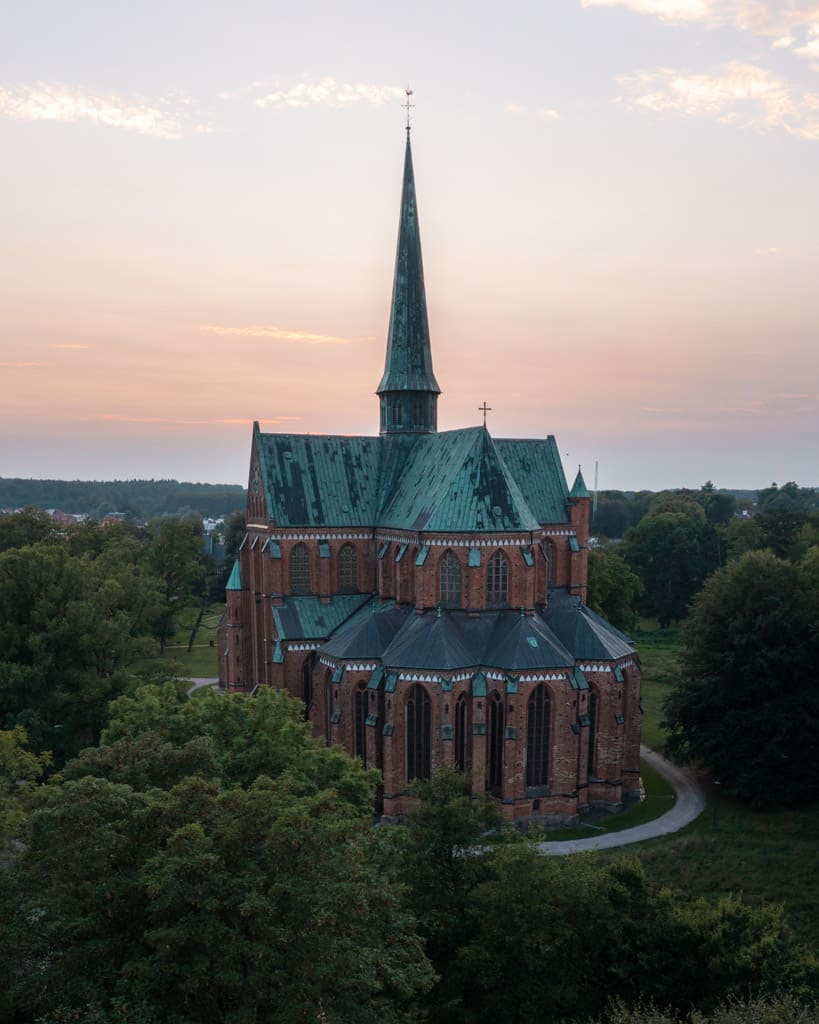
column 672, row 553
column 248, row 736
column 174, row 555
column 540, row 928
column 265, row 904
column 70, row 628
column 614, row 590
column 438, row 861
column 20, row 768
column 29, row 526
column 745, row 707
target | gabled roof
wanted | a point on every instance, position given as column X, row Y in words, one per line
column 457, row 482
column 522, row 642
column 308, row 618
column 319, row 479
column 536, row 466
column 409, row 358
column 582, row 631
column 369, row 633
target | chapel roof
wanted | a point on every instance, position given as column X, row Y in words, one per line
column 456, row 481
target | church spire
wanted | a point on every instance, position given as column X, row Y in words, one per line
column 408, row 389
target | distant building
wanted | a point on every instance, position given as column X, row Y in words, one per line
column 423, row 594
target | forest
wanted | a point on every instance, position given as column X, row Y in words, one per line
column 136, row 499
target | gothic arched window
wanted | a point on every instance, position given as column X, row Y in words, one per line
column 537, row 738
column 360, row 723
column 307, row 685
column 494, row 743
column 450, row 570
column 497, row 581
column 592, row 730
column 461, row 735
column 419, row 731
column 300, row 570
column 348, row 569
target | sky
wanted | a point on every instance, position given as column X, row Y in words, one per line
column 619, row 211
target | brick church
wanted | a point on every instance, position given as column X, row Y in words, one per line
column 423, row 594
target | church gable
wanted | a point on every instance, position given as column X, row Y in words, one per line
column 319, row 480
column 456, row 482
column 536, row 467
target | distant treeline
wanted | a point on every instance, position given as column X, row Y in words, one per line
column 138, row 499
column 619, row 511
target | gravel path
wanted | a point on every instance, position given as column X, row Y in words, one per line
column 689, row 804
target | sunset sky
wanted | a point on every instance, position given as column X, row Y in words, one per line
column 619, row 208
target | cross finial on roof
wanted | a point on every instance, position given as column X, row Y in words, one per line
column 408, row 106
column 484, row 409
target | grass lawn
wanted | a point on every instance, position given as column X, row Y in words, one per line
column 659, row 651
column 202, row 659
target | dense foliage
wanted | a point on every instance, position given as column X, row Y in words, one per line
column 747, row 706
column 80, row 608
column 211, row 897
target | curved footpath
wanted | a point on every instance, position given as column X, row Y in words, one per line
column 689, row 804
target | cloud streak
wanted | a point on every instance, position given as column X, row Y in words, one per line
column 740, row 94
column 327, row 92
column 281, row 334
column 162, row 118
column 20, row 364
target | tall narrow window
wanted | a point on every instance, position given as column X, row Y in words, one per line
column 418, row 734
column 537, row 738
column 348, row 570
column 307, row 685
column 592, row 730
column 494, row 744
column 360, row 720
column 549, row 557
column 461, row 735
column 300, row 570
column 450, row 569
column 497, row 581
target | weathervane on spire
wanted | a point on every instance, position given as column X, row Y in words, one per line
column 408, row 106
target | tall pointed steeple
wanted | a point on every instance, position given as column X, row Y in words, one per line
column 408, row 389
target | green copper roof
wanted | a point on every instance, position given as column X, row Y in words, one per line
column 457, row 482
column 535, row 464
column 308, row 618
column 235, row 580
column 319, row 480
column 579, row 489
column 409, row 359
